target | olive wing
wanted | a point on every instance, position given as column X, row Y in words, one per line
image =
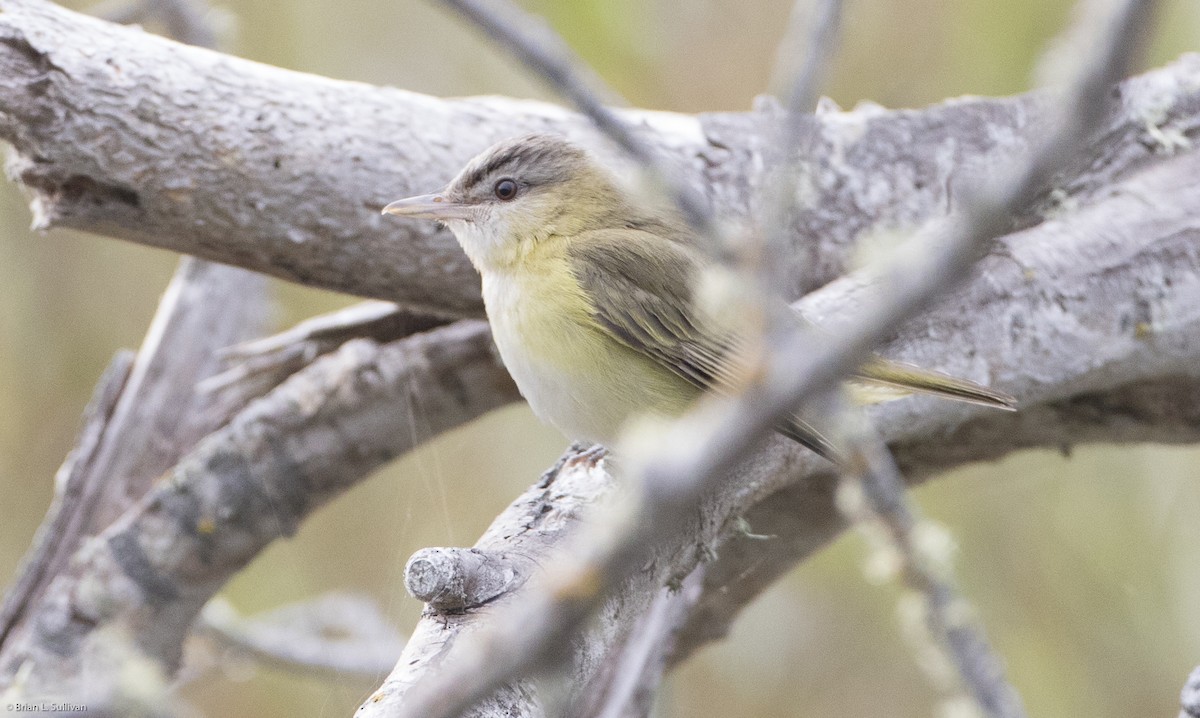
column 641, row 289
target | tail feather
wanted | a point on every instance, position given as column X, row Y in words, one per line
column 805, row 434
column 883, row 380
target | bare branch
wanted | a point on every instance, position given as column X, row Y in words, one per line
column 626, row 682
column 185, row 21
column 800, row 73
column 182, row 20
column 314, row 217
column 1029, row 321
column 534, row 527
column 451, row 579
column 947, row 614
column 878, row 488
column 248, row 483
column 69, row 484
column 792, row 142
column 691, row 461
column 153, row 416
column 1189, row 698
column 910, row 182
column 262, row 364
column 1083, row 369
column 335, row 636
column 949, row 252
column 157, row 417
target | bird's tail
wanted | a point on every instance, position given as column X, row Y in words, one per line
column 883, row 380
column 805, row 434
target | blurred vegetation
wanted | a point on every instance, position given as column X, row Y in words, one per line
column 1079, row 566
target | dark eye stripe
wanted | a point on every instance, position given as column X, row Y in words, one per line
column 512, row 159
column 495, row 165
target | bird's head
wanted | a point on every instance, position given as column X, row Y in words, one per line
column 518, row 193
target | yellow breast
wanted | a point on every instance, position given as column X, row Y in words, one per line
column 574, row 375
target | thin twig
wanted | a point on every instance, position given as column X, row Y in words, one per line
column 533, row 42
column 149, row 416
column 182, row 20
column 700, row 450
column 801, row 75
column 883, row 487
column 185, row 21
column 255, row 367
column 883, row 492
column 121, row 12
column 637, row 669
column 334, row 635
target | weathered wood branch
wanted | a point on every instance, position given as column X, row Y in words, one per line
column 283, row 173
column 1089, row 324
column 335, row 635
column 246, row 484
column 1124, row 368
column 1129, row 364
column 143, row 421
column 1087, row 314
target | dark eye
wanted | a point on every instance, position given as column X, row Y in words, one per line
column 505, row 189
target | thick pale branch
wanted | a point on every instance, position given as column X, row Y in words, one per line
column 1088, row 316
column 1093, row 326
column 684, row 473
column 284, row 173
column 1101, row 309
column 155, row 417
column 247, row 484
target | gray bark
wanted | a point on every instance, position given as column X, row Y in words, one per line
column 246, row 484
column 1087, row 312
column 1124, row 369
column 290, row 182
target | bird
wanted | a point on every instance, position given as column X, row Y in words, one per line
column 596, row 299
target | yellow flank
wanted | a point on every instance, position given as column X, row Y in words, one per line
column 572, row 373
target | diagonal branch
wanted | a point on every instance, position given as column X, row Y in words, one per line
column 155, row 415
column 687, row 471
column 1009, row 324
column 246, row 484
column 1083, row 369
column 300, row 212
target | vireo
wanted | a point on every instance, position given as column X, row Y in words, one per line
column 596, row 302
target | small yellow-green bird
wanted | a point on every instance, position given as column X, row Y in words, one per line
column 595, row 300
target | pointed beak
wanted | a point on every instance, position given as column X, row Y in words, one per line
column 430, row 206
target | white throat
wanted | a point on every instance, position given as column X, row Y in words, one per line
column 485, row 241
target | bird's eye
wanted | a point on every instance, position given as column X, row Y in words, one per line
column 505, row 189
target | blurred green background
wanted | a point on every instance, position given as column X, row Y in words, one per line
column 1082, row 568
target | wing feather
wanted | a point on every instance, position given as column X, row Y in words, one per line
column 647, row 304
